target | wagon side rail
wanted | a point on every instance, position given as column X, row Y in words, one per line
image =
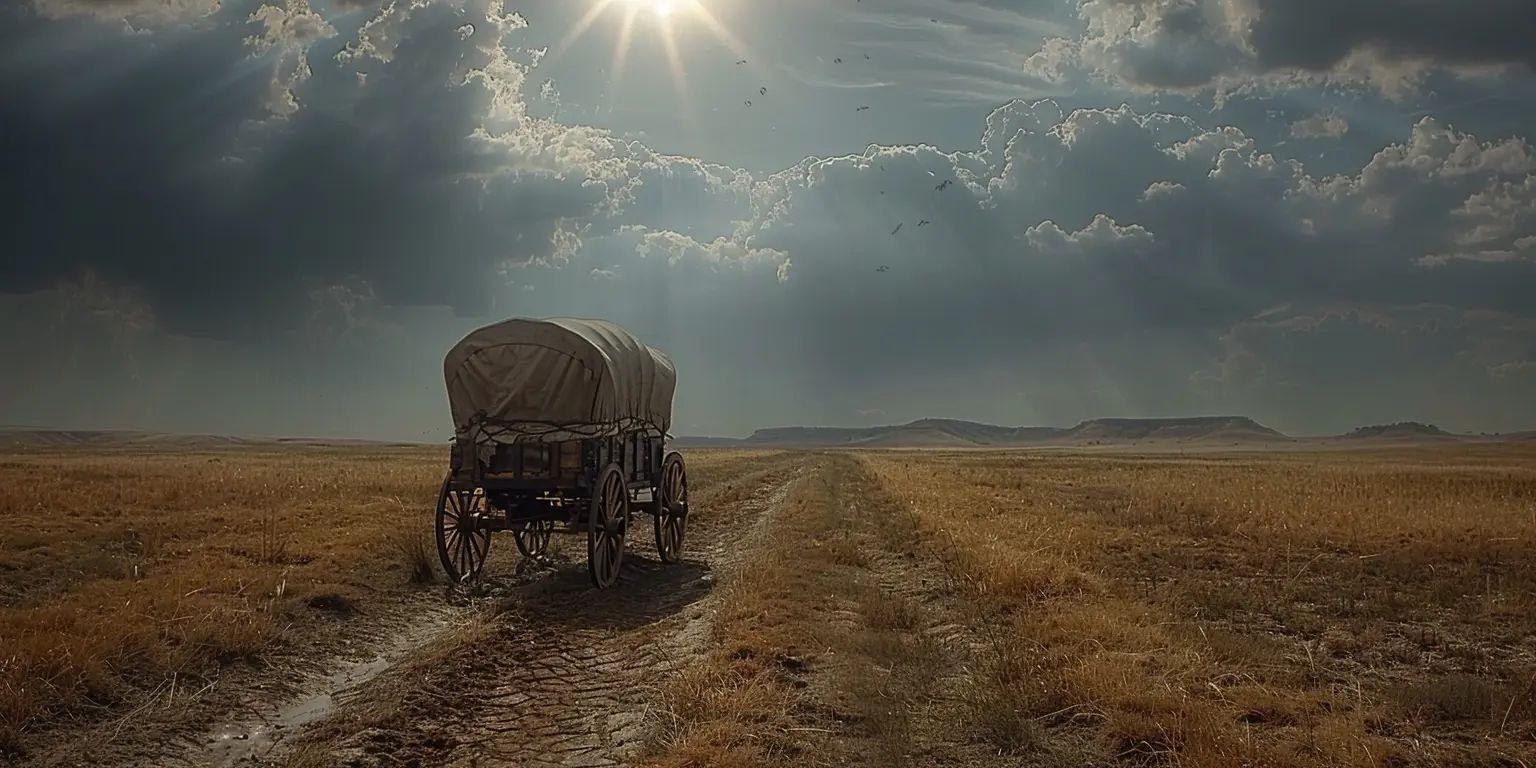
column 476, row 443
column 483, row 429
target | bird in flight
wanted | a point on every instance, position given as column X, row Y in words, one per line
column 924, row 221
column 898, row 228
column 882, row 268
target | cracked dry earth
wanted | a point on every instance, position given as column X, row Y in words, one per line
column 564, row 675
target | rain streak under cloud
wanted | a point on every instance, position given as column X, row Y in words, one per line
column 261, row 217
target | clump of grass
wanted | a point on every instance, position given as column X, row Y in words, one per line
column 1448, row 698
column 416, row 548
column 732, row 707
column 720, row 714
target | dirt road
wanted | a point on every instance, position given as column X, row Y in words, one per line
column 560, row 675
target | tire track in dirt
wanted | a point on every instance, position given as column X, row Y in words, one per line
column 566, row 677
column 908, row 637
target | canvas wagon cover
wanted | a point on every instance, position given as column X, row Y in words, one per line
column 523, row 376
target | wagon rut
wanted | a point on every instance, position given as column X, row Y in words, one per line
column 565, row 677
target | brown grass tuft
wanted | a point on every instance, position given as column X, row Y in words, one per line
column 416, row 547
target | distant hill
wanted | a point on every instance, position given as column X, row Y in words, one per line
column 1191, row 428
column 1403, row 430
column 924, row 432
column 955, row 433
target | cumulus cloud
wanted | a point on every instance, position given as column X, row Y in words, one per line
column 1224, row 224
column 1103, row 234
column 1326, row 125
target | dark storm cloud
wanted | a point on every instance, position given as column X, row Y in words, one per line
column 1193, row 44
column 1317, row 35
column 157, row 162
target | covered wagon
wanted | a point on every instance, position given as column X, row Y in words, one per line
column 560, row 426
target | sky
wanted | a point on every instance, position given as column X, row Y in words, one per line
column 275, row 218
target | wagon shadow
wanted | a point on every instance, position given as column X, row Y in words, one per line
column 648, row 591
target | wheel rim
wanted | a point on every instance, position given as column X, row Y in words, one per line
column 465, row 543
column 672, row 511
column 606, row 545
column 533, row 538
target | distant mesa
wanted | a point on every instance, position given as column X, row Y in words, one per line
column 1403, row 430
column 1238, row 428
column 955, row 433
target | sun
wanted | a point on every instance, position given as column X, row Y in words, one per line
column 670, row 19
column 661, row 9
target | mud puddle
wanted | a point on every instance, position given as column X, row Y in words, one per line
column 248, row 741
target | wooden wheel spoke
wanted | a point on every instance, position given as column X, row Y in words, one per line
column 462, row 544
column 532, row 537
column 670, row 508
column 606, row 527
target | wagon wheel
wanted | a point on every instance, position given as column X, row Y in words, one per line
column 533, row 538
column 462, row 539
column 670, row 510
column 607, row 522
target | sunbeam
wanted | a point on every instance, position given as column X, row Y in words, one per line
column 679, row 75
column 719, row 31
column 620, row 51
column 582, row 24
column 667, row 15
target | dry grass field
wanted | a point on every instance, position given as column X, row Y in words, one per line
column 163, row 586
column 1328, row 609
column 129, row 578
column 1029, row 608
